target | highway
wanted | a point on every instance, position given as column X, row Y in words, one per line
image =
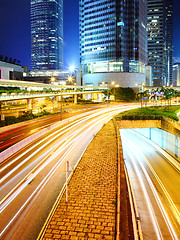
column 15, row 134
column 32, row 179
column 155, row 182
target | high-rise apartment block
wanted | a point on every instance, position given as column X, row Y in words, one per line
column 113, row 35
column 160, row 44
column 46, row 34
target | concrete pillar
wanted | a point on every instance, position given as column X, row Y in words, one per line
column 91, row 96
column 75, row 98
column 55, row 101
column 29, row 101
column 84, row 96
column 95, row 96
column 100, row 97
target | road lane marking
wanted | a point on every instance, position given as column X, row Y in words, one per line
column 72, row 144
column 55, row 133
column 17, row 135
column 161, row 207
column 146, row 195
column 64, row 141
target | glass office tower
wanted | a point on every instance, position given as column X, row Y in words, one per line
column 160, row 42
column 113, row 35
column 46, row 34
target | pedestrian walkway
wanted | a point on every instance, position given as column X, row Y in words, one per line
column 91, row 209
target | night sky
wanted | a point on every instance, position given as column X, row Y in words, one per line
column 15, row 31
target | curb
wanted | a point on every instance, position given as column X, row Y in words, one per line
column 135, row 219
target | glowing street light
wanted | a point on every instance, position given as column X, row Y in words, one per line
column 70, row 78
column 53, row 79
column 72, row 68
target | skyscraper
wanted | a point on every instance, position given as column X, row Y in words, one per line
column 113, row 35
column 46, row 34
column 160, row 43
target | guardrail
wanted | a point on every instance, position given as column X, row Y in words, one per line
column 16, row 147
column 135, row 216
column 27, row 96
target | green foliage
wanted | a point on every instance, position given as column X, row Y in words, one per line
column 26, row 116
column 9, row 90
column 126, row 94
column 150, row 113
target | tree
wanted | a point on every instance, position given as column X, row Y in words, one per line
column 126, row 94
column 5, row 58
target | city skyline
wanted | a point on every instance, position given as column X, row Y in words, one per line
column 15, row 31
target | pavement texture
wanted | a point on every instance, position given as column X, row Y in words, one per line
column 90, row 212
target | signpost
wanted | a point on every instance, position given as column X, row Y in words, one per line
column 67, row 171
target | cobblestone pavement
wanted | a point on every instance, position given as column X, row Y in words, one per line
column 91, row 209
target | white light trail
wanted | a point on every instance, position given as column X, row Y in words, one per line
column 56, row 166
column 161, row 207
column 20, row 186
column 17, row 135
column 66, row 128
column 148, row 202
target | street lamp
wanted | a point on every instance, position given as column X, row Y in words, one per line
column 114, row 85
column 61, row 99
column 53, row 79
column 72, row 68
column 141, row 91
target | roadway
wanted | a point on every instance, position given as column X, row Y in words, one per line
column 18, row 132
column 155, row 182
column 32, row 178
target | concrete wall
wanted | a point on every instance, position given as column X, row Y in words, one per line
column 124, row 79
column 165, row 133
column 6, row 68
column 171, row 126
column 166, row 140
column 139, row 123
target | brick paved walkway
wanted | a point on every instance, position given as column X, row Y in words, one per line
column 91, row 209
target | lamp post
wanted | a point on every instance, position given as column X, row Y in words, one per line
column 61, row 100
column 53, row 79
column 141, row 91
column 109, row 84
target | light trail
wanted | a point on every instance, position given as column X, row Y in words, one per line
column 16, row 191
column 56, row 166
column 29, row 149
column 17, row 135
column 66, row 128
column 161, row 207
column 165, row 154
column 148, row 202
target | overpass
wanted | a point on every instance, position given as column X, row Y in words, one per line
column 93, row 92
column 36, row 85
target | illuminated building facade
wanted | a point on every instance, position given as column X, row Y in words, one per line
column 46, row 34
column 160, row 42
column 176, row 75
column 113, row 35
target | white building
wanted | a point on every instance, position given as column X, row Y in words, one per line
column 11, row 71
